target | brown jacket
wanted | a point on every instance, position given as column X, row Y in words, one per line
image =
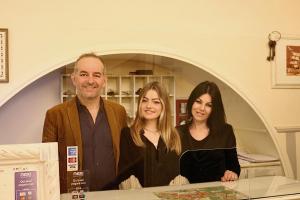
column 62, row 125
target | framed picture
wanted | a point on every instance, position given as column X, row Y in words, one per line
column 181, row 112
column 29, row 171
column 3, row 55
column 286, row 65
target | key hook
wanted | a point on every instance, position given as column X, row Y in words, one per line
column 275, row 36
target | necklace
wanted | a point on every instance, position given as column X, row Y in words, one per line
column 152, row 136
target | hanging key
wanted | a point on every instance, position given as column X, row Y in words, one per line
column 272, row 45
column 274, row 36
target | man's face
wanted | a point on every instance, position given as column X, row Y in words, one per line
column 89, row 79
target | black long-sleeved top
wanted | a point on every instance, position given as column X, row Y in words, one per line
column 153, row 167
column 207, row 160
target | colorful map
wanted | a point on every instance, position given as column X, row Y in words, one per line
column 207, row 193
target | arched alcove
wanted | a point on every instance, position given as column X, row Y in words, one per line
column 247, row 123
column 23, row 114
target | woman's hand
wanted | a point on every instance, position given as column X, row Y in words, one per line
column 229, row 176
column 131, row 183
column 179, row 180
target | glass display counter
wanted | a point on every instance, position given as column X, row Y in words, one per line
column 270, row 187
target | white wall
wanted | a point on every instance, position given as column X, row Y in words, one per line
column 22, row 117
column 226, row 38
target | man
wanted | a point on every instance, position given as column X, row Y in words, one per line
column 90, row 124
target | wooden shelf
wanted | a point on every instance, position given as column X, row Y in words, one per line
column 125, row 83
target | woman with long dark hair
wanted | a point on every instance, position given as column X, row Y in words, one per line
column 208, row 142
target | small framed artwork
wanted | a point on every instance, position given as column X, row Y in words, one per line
column 3, row 55
column 286, row 66
column 181, row 111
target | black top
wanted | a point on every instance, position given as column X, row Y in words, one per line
column 98, row 152
column 208, row 159
column 153, row 167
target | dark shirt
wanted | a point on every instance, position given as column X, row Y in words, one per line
column 208, row 159
column 153, row 167
column 98, row 155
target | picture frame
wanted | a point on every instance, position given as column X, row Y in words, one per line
column 286, row 65
column 181, row 111
column 4, row 67
column 30, row 171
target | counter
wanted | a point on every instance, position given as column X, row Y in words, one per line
column 270, row 187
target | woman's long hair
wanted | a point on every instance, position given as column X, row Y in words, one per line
column 169, row 134
column 217, row 118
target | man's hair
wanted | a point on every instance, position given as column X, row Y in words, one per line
column 88, row 55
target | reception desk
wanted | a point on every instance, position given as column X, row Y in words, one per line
column 270, row 187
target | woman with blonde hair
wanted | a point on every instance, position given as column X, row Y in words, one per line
column 150, row 148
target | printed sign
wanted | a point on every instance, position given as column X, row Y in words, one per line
column 78, row 183
column 79, row 195
column 26, row 185
column 72, row 158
